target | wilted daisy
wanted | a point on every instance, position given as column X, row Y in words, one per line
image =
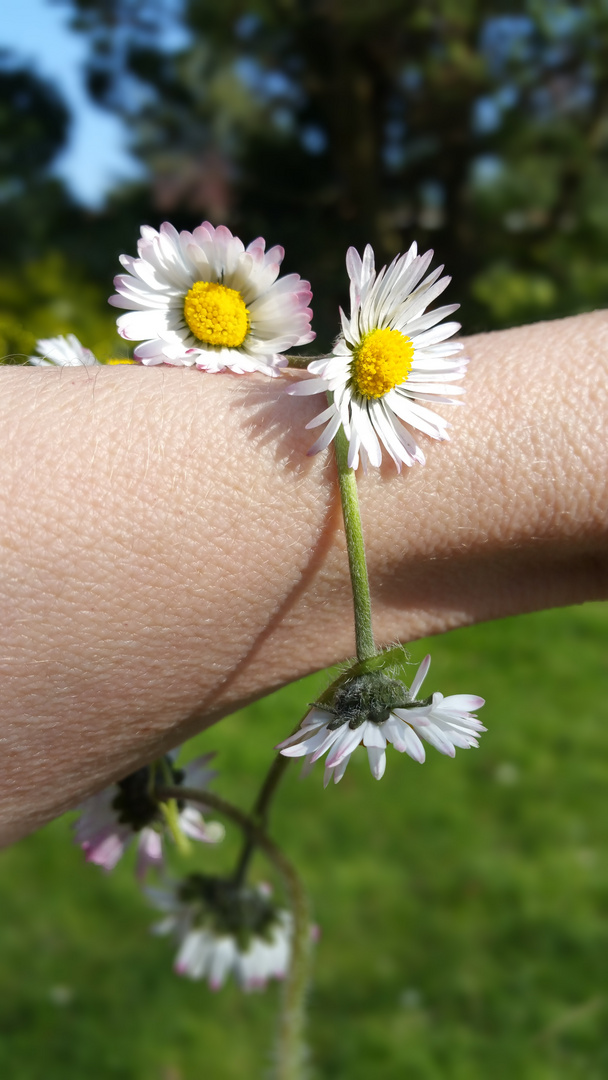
column 225, row 929
column 391, row 359
column 374, row 709
column 110, row 820
column 203, row 299
column 63, row 352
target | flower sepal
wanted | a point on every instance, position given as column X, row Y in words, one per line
column 388, row 661
column 370, row 695
column 374, row 708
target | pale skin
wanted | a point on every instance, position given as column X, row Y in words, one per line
column 169, row 552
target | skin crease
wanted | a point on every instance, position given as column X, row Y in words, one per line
column 170, row 553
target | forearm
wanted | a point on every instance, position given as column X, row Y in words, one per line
column 169, row 552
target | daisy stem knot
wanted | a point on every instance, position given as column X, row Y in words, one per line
column 290, row 1055
column 355, row 547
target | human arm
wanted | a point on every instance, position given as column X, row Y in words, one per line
column 169, row 552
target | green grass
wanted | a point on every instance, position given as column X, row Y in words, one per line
column 463, row 904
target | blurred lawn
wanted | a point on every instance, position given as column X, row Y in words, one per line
column 463, row 904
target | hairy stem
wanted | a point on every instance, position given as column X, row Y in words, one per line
column 356, row 550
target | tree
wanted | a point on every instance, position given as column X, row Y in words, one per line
column 476, row 127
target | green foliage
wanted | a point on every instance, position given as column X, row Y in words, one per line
column 462, row 903
column 477, row 129
column 473, row 127
column 510, row 294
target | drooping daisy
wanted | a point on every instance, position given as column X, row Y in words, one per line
column 63, row 352
column 224, row 929
column 391, row 359
column 69, row 352
column 110, row 820
column 203, row 299
column 377, row 710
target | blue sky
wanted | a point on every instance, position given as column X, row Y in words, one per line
column 36, row 31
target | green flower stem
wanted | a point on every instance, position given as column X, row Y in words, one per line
column 160, row 771
column 366, row 649
column 261, row 808
column 291, row 1049
column 300, row 362
column 260, row 812
column 170, row 813
column 356, row 550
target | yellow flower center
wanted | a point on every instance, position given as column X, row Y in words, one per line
column 115, row 360
column 216, row 314
column 382, row 360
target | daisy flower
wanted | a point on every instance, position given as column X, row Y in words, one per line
column 203, row 299
column 110, row 820
column 225, row 929
column 444, row 722
column 391, row 359
column 63, row 352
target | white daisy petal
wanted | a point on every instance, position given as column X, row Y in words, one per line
column 62, row 352
column 345, row 745
column 203, row 291
column 192, row 957
column 308, row 387
column 361, row 421
column 407, row 439
column 420, row 676
column 330, row 432
column 253, row 956
column 354, row 445
column 307, row 768
column 353, row 265
column 404, row 738
column 339, row 770
column 420, row 299
column 436, row 334
column 392, row 357
column 405, row 407
column 447, row 723
column 373, row 736
column 296, row 746
column 377, row 761
column 322, row 417
column 401, row 449
column 110, row 820
column 433, row 734
column 149, row 852
column 346, row 329
column 431, row 318
column 463, row 702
